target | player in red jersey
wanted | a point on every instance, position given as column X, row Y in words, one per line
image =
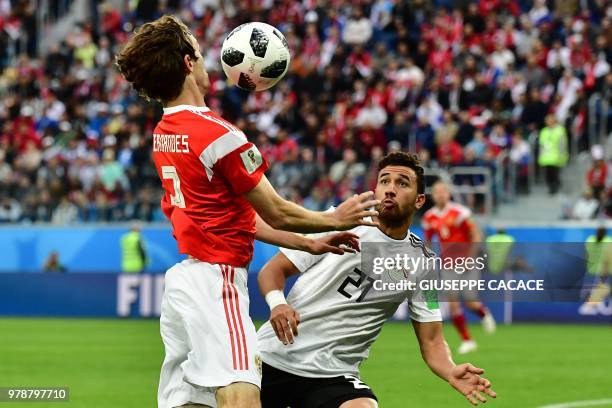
column 218, row 201
column 453, row 224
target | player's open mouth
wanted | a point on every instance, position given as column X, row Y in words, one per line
column 388, row 203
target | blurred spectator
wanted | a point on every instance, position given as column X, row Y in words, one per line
column 534, row 110
column 372, row 115
column 310, row 172
column 568, row 88
column 358, row 28
column 502, row 58
column 520, row 157
column 133, row 253
column 533, row 73
column 53, row 264
column 498, row 138
column 112, row 174
column 65, row 213
column 465, row 131
column 449, row 152
column 599, row 175
column 586, row 206
column 319, row 200
column 539, row 13
column 424, row 135
column 558, row 56
column 553, row 152
column 430, row 112
column 479, row 144
column 10, row 210
column 347, row 167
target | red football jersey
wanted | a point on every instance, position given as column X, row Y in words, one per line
column 206, row 164
column 451, row 225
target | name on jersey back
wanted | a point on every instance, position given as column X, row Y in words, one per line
column 170, row 143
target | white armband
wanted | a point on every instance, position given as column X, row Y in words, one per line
column 274, row 298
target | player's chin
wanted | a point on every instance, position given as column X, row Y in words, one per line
column 389, row 215
column 394, row 215
column 392, row 211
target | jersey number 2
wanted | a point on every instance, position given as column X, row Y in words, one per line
column 169, row 173
column 357, row 283
column 357, row 383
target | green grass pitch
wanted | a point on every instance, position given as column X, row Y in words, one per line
column 115, row 363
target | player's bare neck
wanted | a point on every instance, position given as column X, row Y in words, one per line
column 188, row 96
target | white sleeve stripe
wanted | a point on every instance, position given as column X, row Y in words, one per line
column 220, row 122
column 220, row 148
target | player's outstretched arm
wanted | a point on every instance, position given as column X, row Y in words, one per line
column 272, row 279
column 285, row 215
column 465, row 378
column 338, row 243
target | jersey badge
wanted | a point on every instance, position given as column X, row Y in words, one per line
column 251, row 158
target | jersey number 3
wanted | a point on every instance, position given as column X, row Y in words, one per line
column 169, row 173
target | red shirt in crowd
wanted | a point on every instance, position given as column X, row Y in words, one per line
column 597, row 175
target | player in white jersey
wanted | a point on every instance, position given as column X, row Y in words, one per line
column 340, row 312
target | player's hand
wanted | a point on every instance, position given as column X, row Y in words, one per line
column 466, row 379
column 284, row 321
column 351, row 213
column 338, row 243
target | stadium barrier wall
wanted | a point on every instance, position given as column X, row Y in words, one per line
column 92, row 286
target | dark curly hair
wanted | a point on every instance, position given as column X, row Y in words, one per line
column 406, row 160
column 152, row 60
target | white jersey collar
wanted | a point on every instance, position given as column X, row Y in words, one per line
column 179, row 108
column 387, row 238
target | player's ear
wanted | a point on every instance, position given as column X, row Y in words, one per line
column 188, row 61
column 420, row 201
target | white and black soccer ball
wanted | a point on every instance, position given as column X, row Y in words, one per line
column 255, row 56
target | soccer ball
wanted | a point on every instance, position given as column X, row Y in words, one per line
column 255, row 56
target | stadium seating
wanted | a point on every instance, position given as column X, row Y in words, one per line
column 465, row 87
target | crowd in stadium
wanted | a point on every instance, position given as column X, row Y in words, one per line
column 460, row 82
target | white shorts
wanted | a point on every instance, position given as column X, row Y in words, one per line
column 209, row 338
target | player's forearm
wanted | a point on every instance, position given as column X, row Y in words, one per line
column 270, row 280
column 437, row 356
column 285, row 239
column 284, row 215
column 298, row 219
column 274, row 274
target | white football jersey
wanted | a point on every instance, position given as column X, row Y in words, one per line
column 341, row 315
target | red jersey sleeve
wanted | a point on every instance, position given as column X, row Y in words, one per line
column 234, row 159
column 242, row 168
